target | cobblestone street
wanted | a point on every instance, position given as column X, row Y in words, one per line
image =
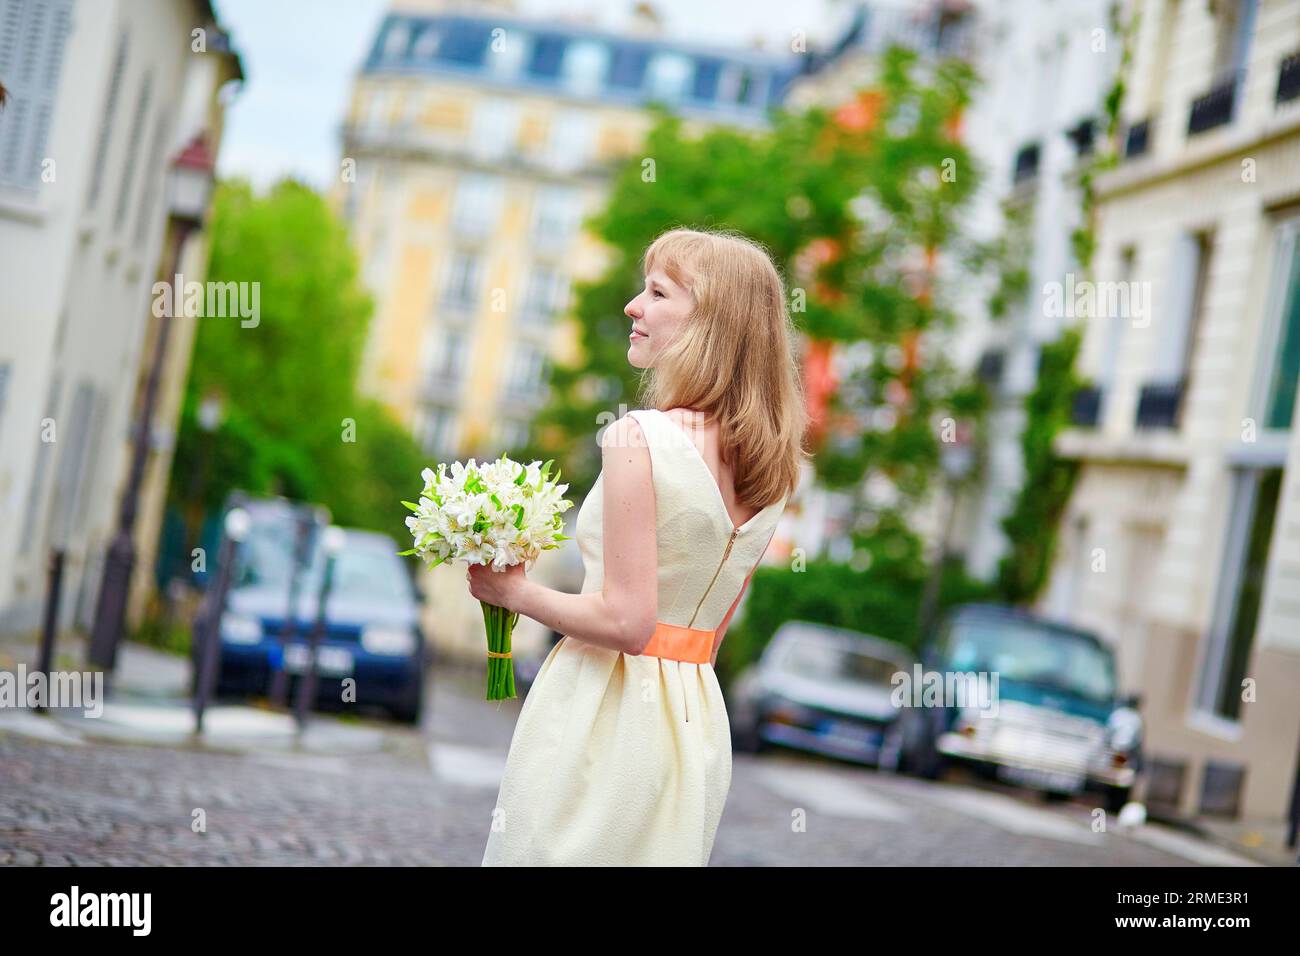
column 426, row 799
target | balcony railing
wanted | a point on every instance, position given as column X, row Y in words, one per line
column 1288, row 78
column 1086, row 410
column 1159, row 405
column 1137, row 139
column 1213, row 109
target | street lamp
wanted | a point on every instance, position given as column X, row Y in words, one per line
column 956, row 458
column 189, row 189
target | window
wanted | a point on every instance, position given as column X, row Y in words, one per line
column 584, row 66
column 1254, row 508
column 547, row 294
column 478, row 205
column 707, row 75
column 570, row 142
column 547, row 56
column 1236, row 24
column 506, row 53
column 396, row 39
column 669, row 73
column 465, row 43
column 1114, row 327
column 460, row 290
column 1283, row 351
column 1185, row 295
column 627, row 69
column 133, row 148
column 154, row 174
column 107, row 121
column 35, row 493
column 435, row 430
column 32, row 40
column 556, row 215
column 494, row 129
column 426, row 44
column 449, row 356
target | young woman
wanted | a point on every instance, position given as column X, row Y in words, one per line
column 622, row 751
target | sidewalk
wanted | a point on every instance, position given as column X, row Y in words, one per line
column 1260, row 840
column 148, row 703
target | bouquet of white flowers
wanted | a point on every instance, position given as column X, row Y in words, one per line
column 499, row 514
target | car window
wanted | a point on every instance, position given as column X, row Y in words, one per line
column 363, row 571
column 266, row 555
column 818, row 658
column 1024, row 651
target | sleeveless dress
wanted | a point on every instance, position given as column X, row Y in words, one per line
column 621, row 759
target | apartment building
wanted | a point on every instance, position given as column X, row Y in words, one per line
column 1181, row 543
column 480, row 143
column 103, row 96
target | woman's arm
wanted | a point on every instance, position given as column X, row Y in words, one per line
column 622, row 615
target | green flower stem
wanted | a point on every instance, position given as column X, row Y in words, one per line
column 500, row 626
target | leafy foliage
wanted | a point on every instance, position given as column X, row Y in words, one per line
column 289, row 382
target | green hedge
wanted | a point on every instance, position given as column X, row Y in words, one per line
column 883, row 601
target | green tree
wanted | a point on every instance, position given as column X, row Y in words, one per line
column 293, row 423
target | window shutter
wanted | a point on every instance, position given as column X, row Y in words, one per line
column 33, row 35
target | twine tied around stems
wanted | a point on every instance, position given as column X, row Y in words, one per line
column 495, row 654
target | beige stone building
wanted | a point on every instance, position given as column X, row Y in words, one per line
column 1181, row 543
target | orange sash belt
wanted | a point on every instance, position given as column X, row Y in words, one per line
column 675, row 643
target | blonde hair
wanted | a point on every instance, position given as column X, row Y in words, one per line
column 734, row 358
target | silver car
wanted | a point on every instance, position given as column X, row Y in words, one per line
column 818, row 688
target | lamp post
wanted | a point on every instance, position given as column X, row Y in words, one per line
column 189, row 187
column 333, row 541
column 955, row 459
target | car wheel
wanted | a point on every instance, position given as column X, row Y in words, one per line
column 409, row 711
column 930, row 764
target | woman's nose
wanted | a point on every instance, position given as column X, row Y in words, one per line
column 631, row 310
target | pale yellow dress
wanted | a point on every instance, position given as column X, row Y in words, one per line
column 625, row 760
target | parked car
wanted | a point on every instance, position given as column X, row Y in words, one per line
column 1057, row 723
column 818, row 688
column 371, row 635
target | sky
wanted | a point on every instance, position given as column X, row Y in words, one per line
column 300, row 57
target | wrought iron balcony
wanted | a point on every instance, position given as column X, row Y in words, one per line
column 1136, row 141
column 1159, row 405
column 1213, row 109
column 1086, row 410
column 1288, row 78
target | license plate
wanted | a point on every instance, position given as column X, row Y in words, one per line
column 330, row 661
column 1042, row 779
column 842, row 731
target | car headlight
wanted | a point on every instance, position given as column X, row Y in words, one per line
column 388, row 640
column 1124, row 728
column 240, row 628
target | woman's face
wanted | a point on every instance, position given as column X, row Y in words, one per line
column 657, row 314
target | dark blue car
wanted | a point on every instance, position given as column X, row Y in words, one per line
column 371, row 636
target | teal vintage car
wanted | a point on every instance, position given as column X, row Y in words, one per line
column 1056, row 721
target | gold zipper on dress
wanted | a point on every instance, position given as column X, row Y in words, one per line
column 725, row 554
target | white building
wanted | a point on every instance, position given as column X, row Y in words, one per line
column 1045, row 69
column 1181, row 543
column 103, row 94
